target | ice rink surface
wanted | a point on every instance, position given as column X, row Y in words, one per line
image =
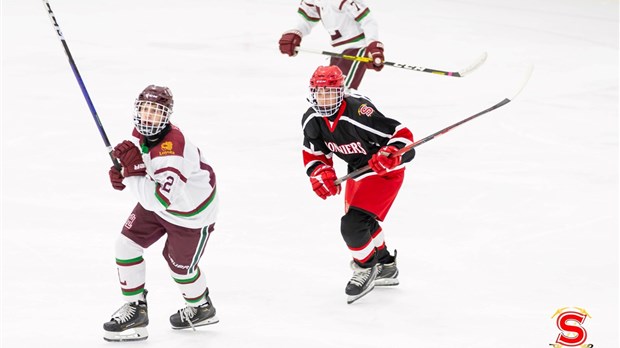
column 499, row 223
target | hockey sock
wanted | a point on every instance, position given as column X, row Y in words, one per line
column 193, row 286
column 131, row 269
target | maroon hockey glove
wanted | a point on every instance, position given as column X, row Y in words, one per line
column 384, row 160
column 322, row 179
column 131, row 159
column 289, row 41
column 375, row 51
column 116, row 178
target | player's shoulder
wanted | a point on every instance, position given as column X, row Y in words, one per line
column 173, row 144
column 360, row 105
column 309, row 123
column 308, row 116
column 354, row 6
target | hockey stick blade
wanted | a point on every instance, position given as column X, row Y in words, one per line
column 475, row 65
column 526, row 78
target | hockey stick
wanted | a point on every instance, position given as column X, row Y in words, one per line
column 359, row 171
column 459, row 73
column 81, row 83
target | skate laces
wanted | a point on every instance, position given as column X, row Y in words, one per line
column 361, row 276
column 124, row 313
column 187, row 313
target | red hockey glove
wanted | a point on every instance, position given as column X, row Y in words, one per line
column 322, row 179
column 131, row 159
column 289, row 41
column 375, row 51
column 116, row 178
column 384, row 160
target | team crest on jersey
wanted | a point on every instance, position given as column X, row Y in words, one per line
column 365, row 110
column 166, row 148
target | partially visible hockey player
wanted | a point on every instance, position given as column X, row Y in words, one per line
column 353, row 31
column 175, row 189
column 351, row 127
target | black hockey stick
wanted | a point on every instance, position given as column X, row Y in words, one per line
column 359, row 171
column 459, row 73
column 81, row 83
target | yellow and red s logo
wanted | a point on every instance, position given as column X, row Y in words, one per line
column 570, row 323
column 365, row 110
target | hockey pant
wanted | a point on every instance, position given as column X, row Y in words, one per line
column 353, row 70
column 367, row 202
column 182, row 251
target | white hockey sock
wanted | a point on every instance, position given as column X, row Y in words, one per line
column 131, row 268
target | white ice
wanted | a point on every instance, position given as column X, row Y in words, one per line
column 500, row 222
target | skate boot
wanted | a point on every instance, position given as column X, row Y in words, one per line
column 128, row 323
column 362, row 282
column 388, row 273
column 194, row 316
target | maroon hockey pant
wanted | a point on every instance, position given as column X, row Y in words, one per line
column 184, row 246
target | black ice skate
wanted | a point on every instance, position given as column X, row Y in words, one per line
column 128, row 323
column 194, row 316
column 388, row 273
column 362, row 282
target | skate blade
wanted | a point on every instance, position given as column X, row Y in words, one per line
column 387, row 282
column 354, row 298
column 135, row 334
column 210, row 321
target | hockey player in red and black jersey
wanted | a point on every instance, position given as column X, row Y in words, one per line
column 351, row 127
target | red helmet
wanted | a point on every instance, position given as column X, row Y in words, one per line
column 152, row 110
column 327, row 76
column 327, row 90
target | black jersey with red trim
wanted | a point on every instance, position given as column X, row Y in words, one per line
column 356, row 132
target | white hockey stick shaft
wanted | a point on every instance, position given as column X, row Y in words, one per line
column 359, row 171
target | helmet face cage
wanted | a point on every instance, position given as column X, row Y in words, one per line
column 149, row 117
column 326, row 100
column 326, row 90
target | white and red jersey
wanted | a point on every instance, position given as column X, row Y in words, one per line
column 348, row 22
column 179, row 185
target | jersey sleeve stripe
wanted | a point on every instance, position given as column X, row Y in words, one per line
column 171, row 169
column 366, row 128
column 307, row 17
column 303, row 126
column 362, row 15
column 202, row 206
column 403, row 135
column 353, row 39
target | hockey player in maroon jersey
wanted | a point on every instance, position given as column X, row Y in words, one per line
column 175, row 189
column 351, row 127
column 353, row 31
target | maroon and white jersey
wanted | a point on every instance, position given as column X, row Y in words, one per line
column 179, row 185
column 348, row 22
column 356, row 132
